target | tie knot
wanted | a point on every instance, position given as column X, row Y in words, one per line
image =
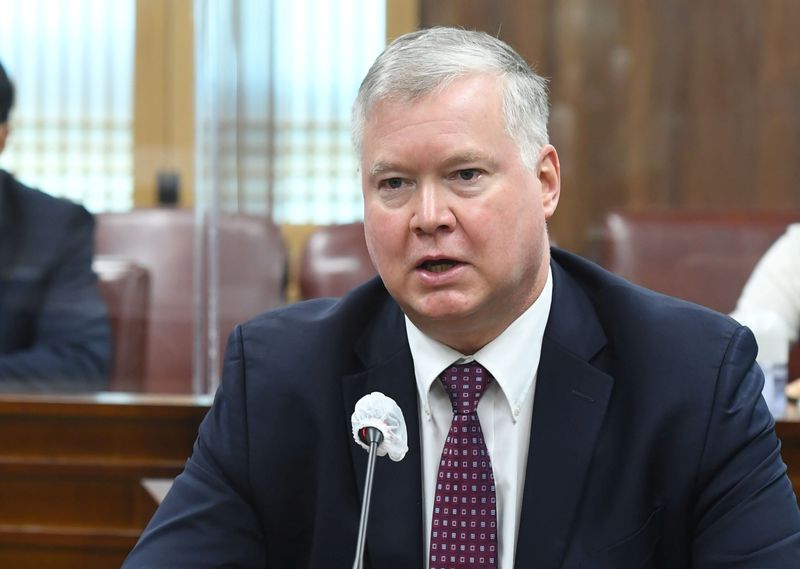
column 465, row 383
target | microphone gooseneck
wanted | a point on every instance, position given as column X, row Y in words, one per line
column 372, row 437
column 378, row 427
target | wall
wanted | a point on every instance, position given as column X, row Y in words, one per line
column 677, row 104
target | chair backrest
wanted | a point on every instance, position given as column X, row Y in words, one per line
column 334, row 260
column 125, row 288
column 253, row 269
column 252, row 261
column 705, row 257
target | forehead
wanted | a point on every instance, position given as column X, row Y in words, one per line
column 468, row 106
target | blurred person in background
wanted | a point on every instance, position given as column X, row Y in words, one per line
column 54, row 330
column 770, row 301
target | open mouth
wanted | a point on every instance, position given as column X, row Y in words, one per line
column 438, row 265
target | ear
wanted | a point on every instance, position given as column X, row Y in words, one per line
column 549, row 174
column 3, row 135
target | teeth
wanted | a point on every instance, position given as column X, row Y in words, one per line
column 438, row 266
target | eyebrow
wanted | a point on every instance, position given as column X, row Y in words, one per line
column 467, row 156
column 382, row 166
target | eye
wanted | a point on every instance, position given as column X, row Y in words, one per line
column 391, row 183
column 469, row 174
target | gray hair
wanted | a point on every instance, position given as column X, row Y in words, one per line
column 419, row 62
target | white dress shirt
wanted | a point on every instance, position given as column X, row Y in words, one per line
column 505, row 412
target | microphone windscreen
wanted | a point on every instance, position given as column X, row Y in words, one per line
column 379, row 411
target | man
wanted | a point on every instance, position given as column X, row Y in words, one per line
column 770, row 304
column 774, row 286
column 621, row 428
column 54, row 334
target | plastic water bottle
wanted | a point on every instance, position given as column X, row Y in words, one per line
column 775, row 379
column 772, row 336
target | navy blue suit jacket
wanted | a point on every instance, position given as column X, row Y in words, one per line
column 54, row 331
column 650, row 446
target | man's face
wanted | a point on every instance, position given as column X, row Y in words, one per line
column 454, row 221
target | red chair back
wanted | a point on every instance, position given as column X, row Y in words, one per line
column 334, row 260
column 252, row 261
column 705, row 257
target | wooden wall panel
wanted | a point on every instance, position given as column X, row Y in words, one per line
column 658, row 104
column 163, row 121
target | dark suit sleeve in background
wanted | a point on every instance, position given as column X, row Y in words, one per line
column 70, row 348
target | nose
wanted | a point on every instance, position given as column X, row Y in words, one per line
column 432, row 210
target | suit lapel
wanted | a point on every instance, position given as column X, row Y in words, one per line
column 569, row 407
column 394, row 534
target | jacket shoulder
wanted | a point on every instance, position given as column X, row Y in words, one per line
column 648, row 328
column 45, row 209
column 615, row 298
column 331, row 328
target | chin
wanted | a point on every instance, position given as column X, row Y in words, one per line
column 442, row 310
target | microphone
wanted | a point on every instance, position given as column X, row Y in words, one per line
column 379, row 428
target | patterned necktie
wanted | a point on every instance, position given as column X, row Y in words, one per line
column 464, row 528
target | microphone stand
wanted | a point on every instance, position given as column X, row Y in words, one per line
column 372, row 437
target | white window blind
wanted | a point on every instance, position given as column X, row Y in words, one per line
column 72, row 65
column 282, row 132
column 296, row 66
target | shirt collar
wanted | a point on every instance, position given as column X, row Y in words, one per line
column 512, row 358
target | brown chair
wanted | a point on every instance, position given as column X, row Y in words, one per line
column 252, row 261
column 705, row 257
column 125, row 288
column 334, row 260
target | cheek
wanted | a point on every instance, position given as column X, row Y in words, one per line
column 383, row 236
column 511, row 232
column 499, row 224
